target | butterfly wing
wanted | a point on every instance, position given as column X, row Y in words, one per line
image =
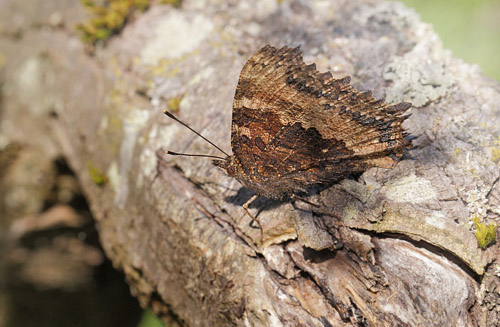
column 294, row 127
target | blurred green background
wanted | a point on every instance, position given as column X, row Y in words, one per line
column 470, row 28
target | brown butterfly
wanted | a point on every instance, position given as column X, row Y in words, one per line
column 294, row 127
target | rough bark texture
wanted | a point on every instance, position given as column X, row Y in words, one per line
column 398, row 248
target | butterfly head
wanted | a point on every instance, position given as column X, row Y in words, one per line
column 229, row 165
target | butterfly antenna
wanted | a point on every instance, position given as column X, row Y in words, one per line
column 172, row 153
column 192, row 130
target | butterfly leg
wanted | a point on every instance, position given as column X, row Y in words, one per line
column 295, row 197
column 245, row 207
column 318, row 208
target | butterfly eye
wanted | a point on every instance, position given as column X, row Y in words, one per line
column 231, row 171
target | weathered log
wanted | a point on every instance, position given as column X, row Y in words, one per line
column 390, row 248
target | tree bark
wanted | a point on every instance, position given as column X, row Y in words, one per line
column 390, row 248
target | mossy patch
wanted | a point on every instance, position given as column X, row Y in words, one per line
column 107, row 17
column 174, row 3
column 173, row 104
column 97, row 176
column 485, row 234
column 495, row 151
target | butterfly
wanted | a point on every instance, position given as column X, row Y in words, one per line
column 294, row 127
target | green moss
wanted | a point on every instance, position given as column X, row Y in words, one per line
column 173, row 104
column 107, row 17
column 96, row 175
column 495, row 151
column 485, row 234
column 495, row 154
column 174, row 3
